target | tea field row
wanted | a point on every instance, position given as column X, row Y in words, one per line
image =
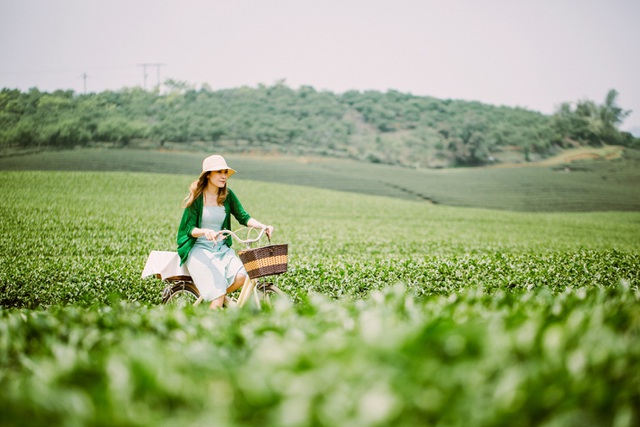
column 603, row 185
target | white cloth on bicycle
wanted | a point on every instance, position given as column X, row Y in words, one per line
column 164, row 264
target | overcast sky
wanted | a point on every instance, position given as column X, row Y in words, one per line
column 533, row 54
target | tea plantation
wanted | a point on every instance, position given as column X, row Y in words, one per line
column 404, row 312
column 556, row 185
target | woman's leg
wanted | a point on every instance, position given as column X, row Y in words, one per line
column 237, row 284
column 217, row 303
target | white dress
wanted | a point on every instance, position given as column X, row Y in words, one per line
column 213, row 266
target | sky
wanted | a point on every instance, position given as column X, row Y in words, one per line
column 534, row 54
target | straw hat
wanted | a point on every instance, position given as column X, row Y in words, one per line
column 215, row 163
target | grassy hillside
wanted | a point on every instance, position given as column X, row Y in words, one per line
column 571, row 182
column 388, row 128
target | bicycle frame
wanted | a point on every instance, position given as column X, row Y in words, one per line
column 250, row 286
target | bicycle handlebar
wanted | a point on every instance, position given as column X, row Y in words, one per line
column 245, row 241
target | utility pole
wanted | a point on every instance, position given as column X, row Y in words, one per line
column 158, row 75
column 144, row 75
column 144, row 72
column 84, row 77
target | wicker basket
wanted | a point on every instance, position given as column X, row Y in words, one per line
column 265, row 261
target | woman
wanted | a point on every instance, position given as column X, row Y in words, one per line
column 214, row 267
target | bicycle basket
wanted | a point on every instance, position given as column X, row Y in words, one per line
column 265, row 261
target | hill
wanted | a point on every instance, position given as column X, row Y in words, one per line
column 389, row 128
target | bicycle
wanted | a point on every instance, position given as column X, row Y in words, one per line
column 259, row 262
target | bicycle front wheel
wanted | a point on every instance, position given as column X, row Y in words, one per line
column 269, row 295
column 181, row 294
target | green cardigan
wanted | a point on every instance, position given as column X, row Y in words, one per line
column 192, row 218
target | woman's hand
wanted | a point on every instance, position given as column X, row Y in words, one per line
column 211, row 234
column 269, row 230
column 207, row 233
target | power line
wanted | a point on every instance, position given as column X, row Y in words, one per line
column 57, row 71
column 86, row 72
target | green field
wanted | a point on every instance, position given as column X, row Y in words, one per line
column 579, row 186
column 405, row 312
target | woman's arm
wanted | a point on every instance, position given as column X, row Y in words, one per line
column 188, row 222
column 257, row 224
column 243, row 217
column 206, row 232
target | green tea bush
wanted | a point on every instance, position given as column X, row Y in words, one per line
column 83, row 238
column 441, row 276
column 404, row 313
column 469, row 358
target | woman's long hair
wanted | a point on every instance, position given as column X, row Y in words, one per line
column 197, row 188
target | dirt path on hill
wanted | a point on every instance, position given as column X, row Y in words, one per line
column 610, row 152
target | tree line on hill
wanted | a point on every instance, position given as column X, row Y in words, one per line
column 383, row 127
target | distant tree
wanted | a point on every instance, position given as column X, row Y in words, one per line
column 119, row 130
column 410, row 130
column 589, row 123
column 611, row 116
column 178, row 86
column 22, row 134
column 467, row 143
